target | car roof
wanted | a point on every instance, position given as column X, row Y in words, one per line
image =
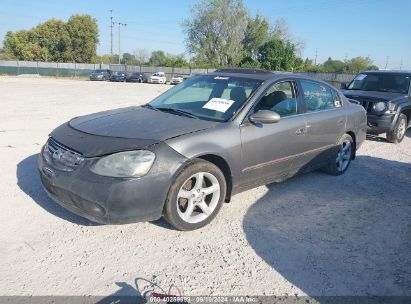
column 388, row 72
column 261, row 74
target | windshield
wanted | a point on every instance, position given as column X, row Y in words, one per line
column 208, row 97
column 381, row 82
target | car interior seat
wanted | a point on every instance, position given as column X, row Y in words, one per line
column 238, row 94
column 269, row 101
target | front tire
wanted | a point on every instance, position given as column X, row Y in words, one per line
column 196, row 196
column 397, row 135
column 342, row 156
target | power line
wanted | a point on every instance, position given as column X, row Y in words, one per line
column 111, row 35
column 120, row 24
column 386, row 62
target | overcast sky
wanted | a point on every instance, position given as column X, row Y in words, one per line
column 332, row 28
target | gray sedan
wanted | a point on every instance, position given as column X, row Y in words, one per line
column 195, row 146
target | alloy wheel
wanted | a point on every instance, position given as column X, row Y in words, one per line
column 198, row 197
column 401, row 128
column 344, row 155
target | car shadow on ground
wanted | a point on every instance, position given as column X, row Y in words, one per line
column 373, row 137
column 28, row 179
column 345, row 235
column 408, row 133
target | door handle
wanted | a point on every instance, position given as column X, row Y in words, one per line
column 301, row 131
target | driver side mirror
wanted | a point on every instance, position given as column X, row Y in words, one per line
column 264, row 117
column 344, row 86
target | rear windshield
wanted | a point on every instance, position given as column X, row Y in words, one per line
column 208, row 97
column 381, row 83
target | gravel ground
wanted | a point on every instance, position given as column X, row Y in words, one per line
column 311, row 235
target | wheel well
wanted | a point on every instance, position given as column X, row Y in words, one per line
column 224, row 167
column 407, row 112
column 352, row 134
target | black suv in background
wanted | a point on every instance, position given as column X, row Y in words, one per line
column 100, row 75
column 386, row 95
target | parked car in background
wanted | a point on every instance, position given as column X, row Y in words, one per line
column 386, row 96
column 137, row 77
column 119, row 77
column 159, row 77
column 100, row 75
column 193, row 147
column 177, row 79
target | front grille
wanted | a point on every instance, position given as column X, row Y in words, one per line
column 60, row 156
column 365, row 102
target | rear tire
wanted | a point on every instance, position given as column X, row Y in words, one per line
column 342, row 157
column 397, row 135
column 196, row 196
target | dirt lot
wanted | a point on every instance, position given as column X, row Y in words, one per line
column 313, row 234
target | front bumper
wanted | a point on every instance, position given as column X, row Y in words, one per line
column 380, row 123
column 109, row 200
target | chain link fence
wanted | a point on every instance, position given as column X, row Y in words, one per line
column 59, row 69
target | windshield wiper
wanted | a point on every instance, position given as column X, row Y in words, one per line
column 177, row 111
column 147, row 105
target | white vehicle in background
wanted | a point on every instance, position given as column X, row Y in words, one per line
column 177, row 79
column 158, row 77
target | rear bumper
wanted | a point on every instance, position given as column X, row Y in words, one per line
column 108, row 200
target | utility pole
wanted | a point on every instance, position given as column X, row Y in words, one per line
column 111, row 36
column 386, row 62
column 119, row 40
column 316, row 55
column 401, row 65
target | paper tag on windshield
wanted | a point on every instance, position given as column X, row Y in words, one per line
column 360, row 77
column 218, row 104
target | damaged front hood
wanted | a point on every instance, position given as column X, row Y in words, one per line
column 386, row 96
column 124, row 129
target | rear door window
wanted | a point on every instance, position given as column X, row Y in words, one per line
column 318, row 97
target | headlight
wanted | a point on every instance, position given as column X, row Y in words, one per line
column 379, row 106
column 125, row 164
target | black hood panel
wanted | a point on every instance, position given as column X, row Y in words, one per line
column 124, row 129
column 138, row 123
column 371, row 94
column 93, row 145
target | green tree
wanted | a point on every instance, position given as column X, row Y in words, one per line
column 256, row 34
column 333, row 66
column 158, row 58
column 215, row 31
column 177, row 61
column 83, row 31
column 358, row 64
column 55, row 40
column 3, row 55
column 129, row 59
column 278, row 55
